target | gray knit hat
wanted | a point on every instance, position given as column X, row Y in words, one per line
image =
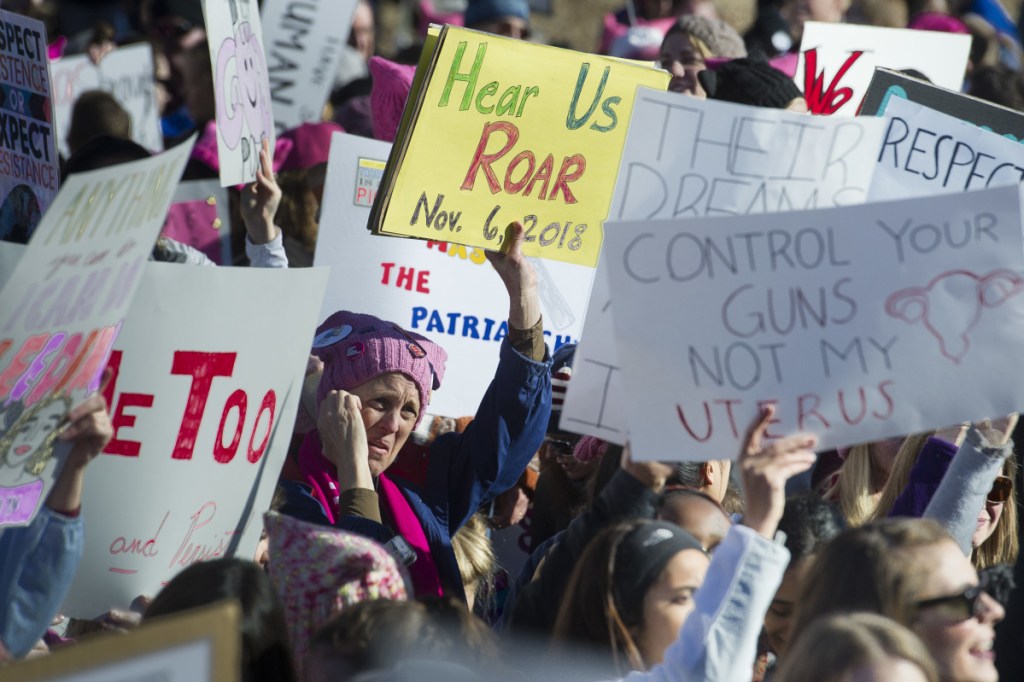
column 721, row 38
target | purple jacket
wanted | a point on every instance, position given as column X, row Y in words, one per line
column 931, row 466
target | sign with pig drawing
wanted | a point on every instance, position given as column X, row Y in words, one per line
column 241, row 87
column 858, row 323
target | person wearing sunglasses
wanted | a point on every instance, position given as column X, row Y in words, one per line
column 914, row 572
column 963, row 478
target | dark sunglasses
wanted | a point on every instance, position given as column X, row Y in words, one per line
column 1002, row 488
column 561, row 447
column 956, row 607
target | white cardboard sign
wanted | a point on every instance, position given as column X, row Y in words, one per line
column 447, row 292
column 853, row 333
column 241, row 87
column 29, row 167
column 304, row 43
column 203, row 410
column 127, row 74
column 65, row 302
column 927, row 152
column 837, row 61
column 687, row 158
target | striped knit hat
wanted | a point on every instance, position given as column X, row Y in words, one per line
column 561, row 372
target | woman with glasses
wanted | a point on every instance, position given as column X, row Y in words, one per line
column 969, row 489
column 912, row 571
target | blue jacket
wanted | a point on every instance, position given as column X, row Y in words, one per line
column 467, row 470
column 37, row 565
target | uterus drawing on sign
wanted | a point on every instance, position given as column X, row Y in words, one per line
column 27, row 438
column 244, row 115
column 950, row 305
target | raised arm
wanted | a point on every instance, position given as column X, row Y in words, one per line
column 961, row 495
column 466, row 470
column 38, row 561
column 259, row 203
column 718, row 642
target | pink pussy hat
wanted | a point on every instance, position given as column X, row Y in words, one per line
column 391, row 85
column 356, row 348
column 310, row 145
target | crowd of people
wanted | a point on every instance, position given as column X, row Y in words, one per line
column 891, row 560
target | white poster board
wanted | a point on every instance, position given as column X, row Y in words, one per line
column 446, row 292
column 29, row 167
column 837, row 61
column 241, row 87
column 65, row 302
column 688, row 158
column 127, row 74
column 854, row 334
column 304, row 43
column 927, row 152
column 203, row 408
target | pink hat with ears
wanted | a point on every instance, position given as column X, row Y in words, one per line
column 391, row 85
column 356, row 348
column 310, row 144
column 589, row 448
column 205, row 149
column 937, row 21
column 786, row 63
column 429, row 15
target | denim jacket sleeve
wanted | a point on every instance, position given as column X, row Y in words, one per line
column 718, row 642
column 467, row 470
column 37, row 565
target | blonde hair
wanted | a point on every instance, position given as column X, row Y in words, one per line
column 899, row 476
column 474, row 553
column 852, row 488
column 700, row 46
column 835, row 646
column 1003, row 545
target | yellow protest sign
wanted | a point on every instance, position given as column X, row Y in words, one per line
column 498, row 130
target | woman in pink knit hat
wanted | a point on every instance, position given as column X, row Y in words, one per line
column 375, row 386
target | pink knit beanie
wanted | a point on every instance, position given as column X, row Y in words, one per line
column 937, row 21
column 589, row 449
column 356, row 348
column 310, row 145
column 391, row 85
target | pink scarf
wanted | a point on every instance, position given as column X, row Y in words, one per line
column 320, row 475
